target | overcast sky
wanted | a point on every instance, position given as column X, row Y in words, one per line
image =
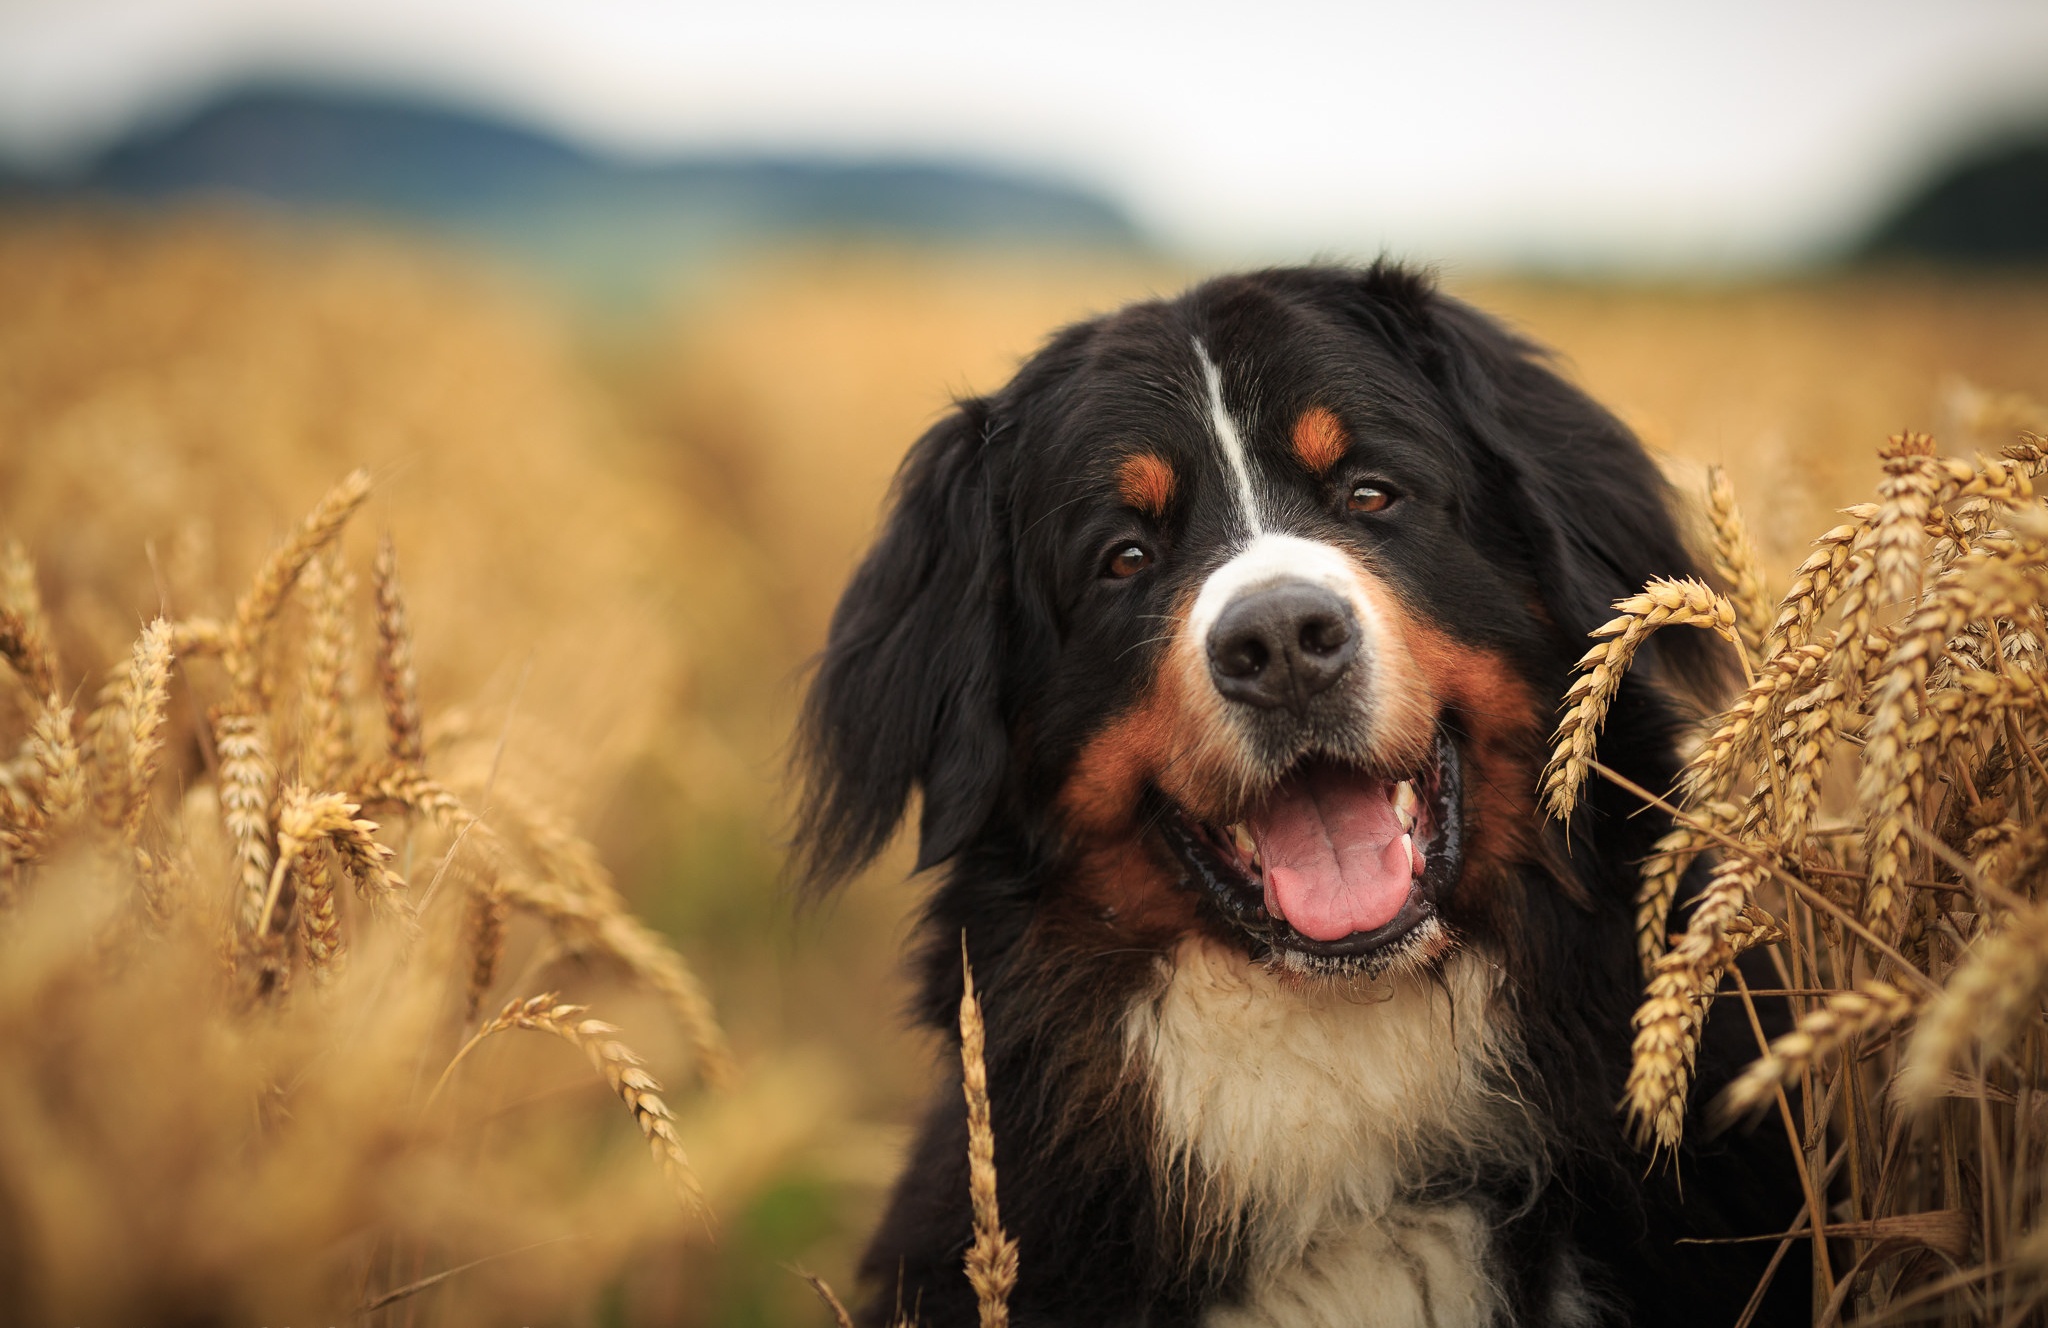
column 1633, row 134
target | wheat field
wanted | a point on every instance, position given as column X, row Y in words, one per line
column 367, row 866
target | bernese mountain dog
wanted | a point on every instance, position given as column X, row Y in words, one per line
column 1220, row 647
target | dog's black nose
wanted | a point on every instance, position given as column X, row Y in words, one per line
column 1282, row 645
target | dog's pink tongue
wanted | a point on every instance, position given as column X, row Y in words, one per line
column 1337, row 860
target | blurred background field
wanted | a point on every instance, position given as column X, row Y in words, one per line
column 630, row 432
column 624, row 545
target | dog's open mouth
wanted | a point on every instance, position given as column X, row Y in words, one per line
column 1334, row 867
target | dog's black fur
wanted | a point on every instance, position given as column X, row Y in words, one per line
column 979, row 651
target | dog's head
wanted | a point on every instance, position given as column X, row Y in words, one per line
column 1245, row 613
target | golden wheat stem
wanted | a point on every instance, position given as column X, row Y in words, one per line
column 319, row 915
column 1818, row 580
column 1600, row 671
column 306, row 819
column 992, row 1258
column 1905, row 496
column 245, row 790
column 25, row 641
column 1735, row 561
column 147, row 695
column 1996, row 988
column 831, row 1301
column 486, row 943
column 583, row 911
column 257, row 608
column 621, row 1068
column 330, row 639
column 396, row 678
column 1674, row 1006
column 1821, row 1032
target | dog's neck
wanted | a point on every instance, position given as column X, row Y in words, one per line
column 1303, row 1120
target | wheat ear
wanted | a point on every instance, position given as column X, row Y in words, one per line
column 1674, row 1006
column 195, row 637
column 992, row 1258
column 1990, row 994
column 319, row 915
column 622, row 1069
column 306, row 819
column 1905, row 497
column 1600, row 672
column 830, row 1299
column 245, row 789
column 1820, row 1033
column 330, row 640
column 1818, row 579
column 1735, row 561
column 257, row 608
column 1662, row 871
column 55, row 793
column 396, row 678
column 24, row 629
column 486, row 924
column 146, row 696
column 583, row 913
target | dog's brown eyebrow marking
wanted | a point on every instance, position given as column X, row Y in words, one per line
column 1319, row 439
column 1146, row 483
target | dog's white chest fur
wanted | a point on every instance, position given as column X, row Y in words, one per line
column 1300, row 1113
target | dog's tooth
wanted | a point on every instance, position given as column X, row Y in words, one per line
column 1406, row 805
column 1416, row 862
column 1242, row 837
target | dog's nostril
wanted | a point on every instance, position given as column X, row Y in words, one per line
column 1282, row 645
column 1324, row 634
column 1243, row 656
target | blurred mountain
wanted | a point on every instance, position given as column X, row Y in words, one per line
column 593, row 218
column 1988, row 207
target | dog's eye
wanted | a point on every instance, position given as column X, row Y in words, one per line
column 1129, row 560
column 1369, row 498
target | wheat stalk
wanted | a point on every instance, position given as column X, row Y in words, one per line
column 1818, row 579
column 319, row 917
column 585, row 914
column 245, row 789
column 396, row 680
column 1600, row 672
column 1674, row 1006
column 1992, row 992
column 330, row 639
column 257, row 609
column 1735, row 561
column 306, row 819
column 486, row 927
column 1820, row 1033
column 1905, row 497
column 992, row 1258
column 621, row 1068
column 24, row 629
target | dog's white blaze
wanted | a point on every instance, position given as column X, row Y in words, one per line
column 1270, row 559
column 1301, row 1113
column 1228, row 440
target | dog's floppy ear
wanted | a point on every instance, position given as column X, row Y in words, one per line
column 1595, row 516
column 907, row 692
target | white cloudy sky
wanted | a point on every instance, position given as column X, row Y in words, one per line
column 1637, row 134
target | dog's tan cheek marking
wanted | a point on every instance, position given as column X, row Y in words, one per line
column 1146, row 482
column 1120, row 870
column 1172, row 736
column 1504, row 724
column 1319, row 439
column 1404, row 699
